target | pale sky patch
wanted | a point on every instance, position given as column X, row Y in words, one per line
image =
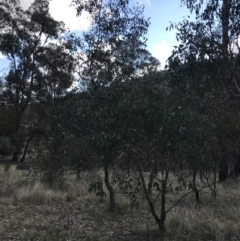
column 161, row 51
column 2, row 56
column 25, row 4
column 61, row 11
column 235, row 46
column 147, row 3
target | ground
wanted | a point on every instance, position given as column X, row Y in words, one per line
column 30, row 211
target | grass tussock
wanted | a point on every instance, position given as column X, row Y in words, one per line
column 19, row 185
column 37, row 194
column 11, row 179
column 210, row 220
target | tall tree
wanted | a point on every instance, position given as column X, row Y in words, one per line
column 113, row 51
column 40, row 62
column 206, row 63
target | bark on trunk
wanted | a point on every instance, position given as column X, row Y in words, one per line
column 226, row 7
column 110, row 189
column 158, row 220
column 215, row 178
column 17, row 127
column 15, row 156
column 225, row 26
column 163, row 204
column 26, row 148
column 195, row 185
column 150, row 183
column 78, row 174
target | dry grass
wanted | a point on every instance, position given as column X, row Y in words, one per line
column 211, row 219
column 31, row 211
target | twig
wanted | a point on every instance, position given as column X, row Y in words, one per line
column 178, row 201
column 156, row 197
column 235, row 82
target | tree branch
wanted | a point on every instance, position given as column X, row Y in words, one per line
column 178, row 201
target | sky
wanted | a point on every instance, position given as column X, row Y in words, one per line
column 161, row 12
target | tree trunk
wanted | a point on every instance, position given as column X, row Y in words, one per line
column 150, row 183
column 195, row 185
column 26, row 148
column 163, row 204
column 223, row 165
column 225, row 26
column 236, row 168
column 78, row 174
column 110, row 189
column 15, row 156
column 215, row 178
column 151, row 204
column 17, row 127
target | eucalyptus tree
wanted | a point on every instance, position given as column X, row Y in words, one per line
column 205, row 65
column 41, row 62
column 155, row 129
column 112, row 51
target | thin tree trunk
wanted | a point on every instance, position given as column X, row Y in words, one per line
column 215, row 178
column 163, row 203
column 225, row 26
column 26, row 147
column 150, row 183
column 15, row 156
column 16, row 153
column 158, row 220
column 110, row 189
column 17, row 127
column 78, row 174
column 223, row 166
column 195, row 185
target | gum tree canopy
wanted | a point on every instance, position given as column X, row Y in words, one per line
column 113, row 52
column 40, row 58
column 206, row 62
column 115, row 45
